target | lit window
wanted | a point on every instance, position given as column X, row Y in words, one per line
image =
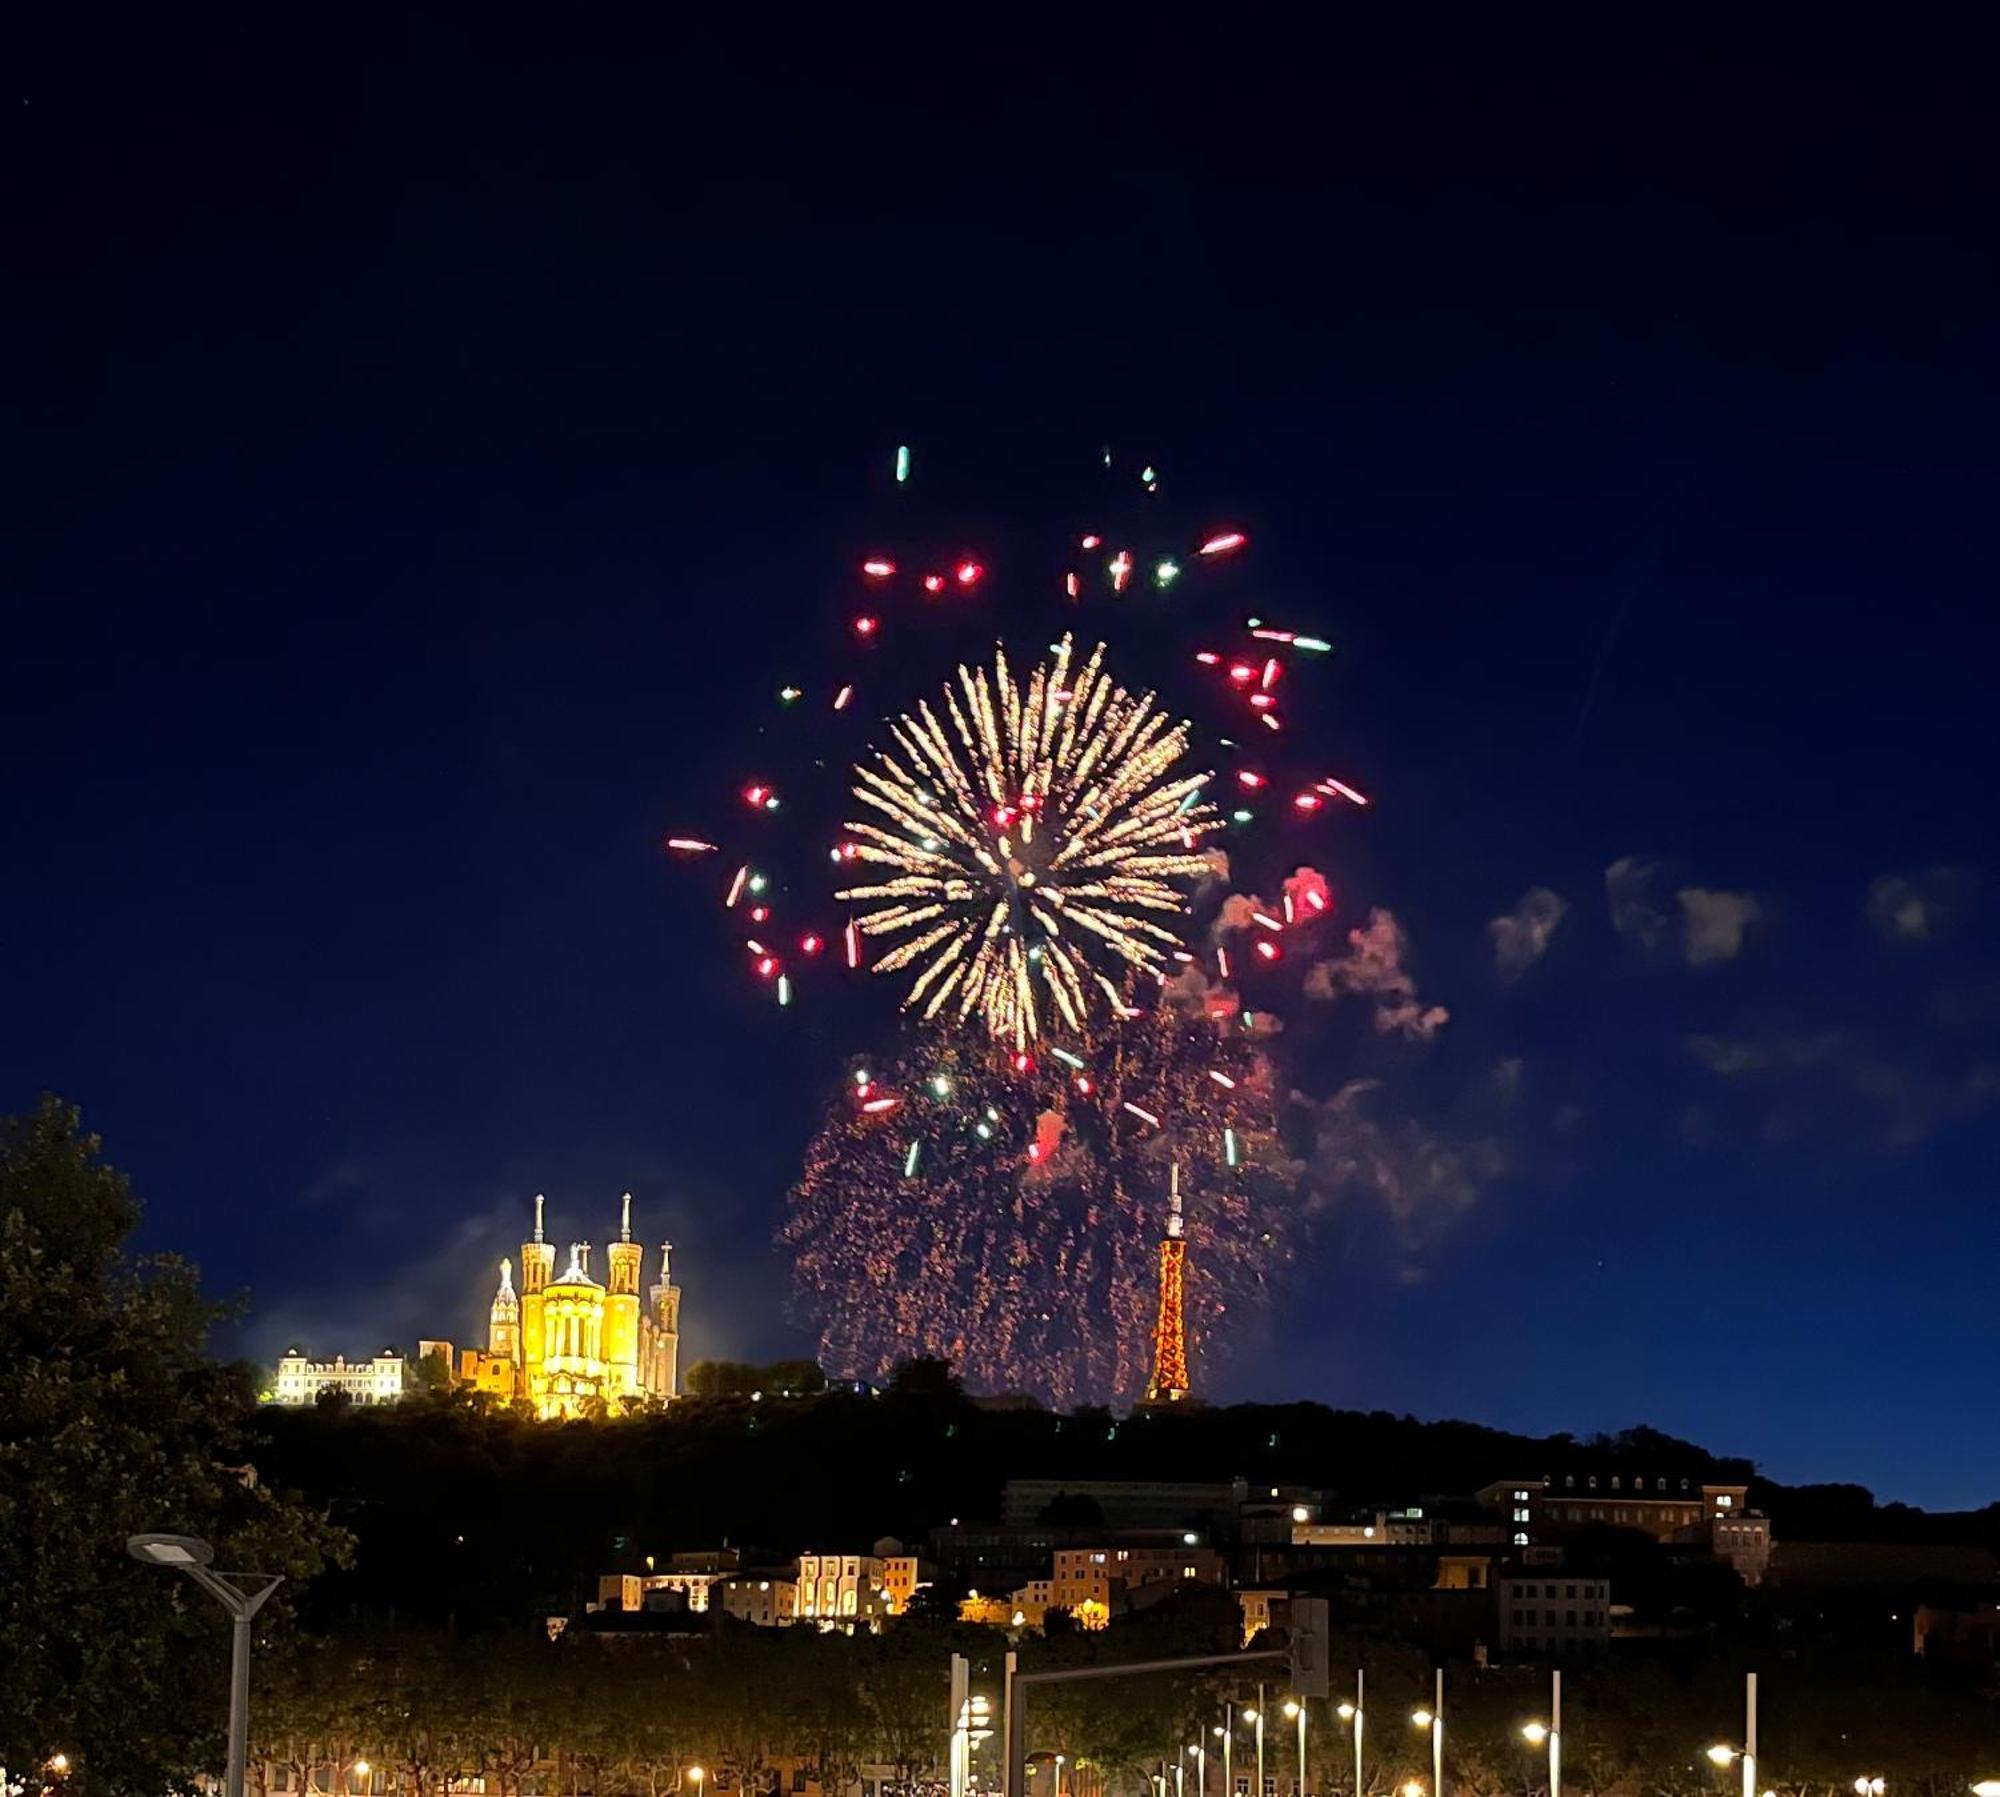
column 1520, row 1538
column 1724, row 1501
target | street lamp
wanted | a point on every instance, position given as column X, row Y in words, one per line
column 1059, row 1767
column 1721, row 1753
column 1869, row 1787
column 1256, row 1716
column 189, row 1554
column 1987, row 1787
column 1356, row 1714
column 1200, row 1752
column 1549, row 1733
column 1296, row 1711
column 698, row 1775
column 1433, row 1720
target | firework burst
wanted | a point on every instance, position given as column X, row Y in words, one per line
column 1006, row 1212
column 1031, row 832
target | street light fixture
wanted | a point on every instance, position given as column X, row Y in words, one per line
column 1987, row 1787
column 1534, row 1733
column 1719, row 1755
column 1296, row 1712
column 193, row 1556
column 1432, row 1719
column 1869, row 1787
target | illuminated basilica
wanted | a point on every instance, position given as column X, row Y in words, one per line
column 565, row 1344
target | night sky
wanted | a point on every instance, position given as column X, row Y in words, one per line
column 431, row 430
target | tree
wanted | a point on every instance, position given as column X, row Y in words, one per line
column 114, row 1421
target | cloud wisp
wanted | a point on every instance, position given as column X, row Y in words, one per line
column 1521, row 937
column 1911, row 909
column 1712, row 926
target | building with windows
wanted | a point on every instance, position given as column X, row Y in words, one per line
column 769, row 1599
column 1552, row 1613
column 686, row 1582
column 903, row 1575
column 1666, row 1507
column 303, row 1381
column 836, row 1590
column 565, row 1344
column 1107, row 1576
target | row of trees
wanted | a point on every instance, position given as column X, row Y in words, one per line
column 597, row 1714
column 627, row 1717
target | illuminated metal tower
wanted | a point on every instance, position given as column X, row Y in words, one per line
column 1170, row 1373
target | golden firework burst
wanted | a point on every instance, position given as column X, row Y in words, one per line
column 1047, row 824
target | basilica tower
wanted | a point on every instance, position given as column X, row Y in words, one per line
column 503, row 1326
column 622, row 1371
column 538, row 1262
column 666, row 1328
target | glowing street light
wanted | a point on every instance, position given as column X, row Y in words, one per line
column 1433, row 1720
column 699, row 1775
column 1720, row 1755
column 1987, row 1787
column 188, row 1554
column 1296, row 1712
column 1549, row 1734
column 1869, row 1787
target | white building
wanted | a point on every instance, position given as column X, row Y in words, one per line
column 301, row 1381
column 1546, row 1610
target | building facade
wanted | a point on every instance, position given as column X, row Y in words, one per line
column 565, row 1344
column 1101, row 1576
column 842, row 1589
column 303, row 1381
column 1552, row 1613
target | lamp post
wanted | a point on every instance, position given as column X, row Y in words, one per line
column 1297, row 1711
column 1200, row 1752
column 1549, row 1733
column 1257, row 1717
column 1351, row 1713
column 1228, row 1733
column 1721, row 1753
column 188, row 1554
column 699, row 1776
column 1059, row 1767
column 1433, row 1720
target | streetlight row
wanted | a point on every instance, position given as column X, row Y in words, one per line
column 1536, row 1734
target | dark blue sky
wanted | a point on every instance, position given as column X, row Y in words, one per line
column 427, row 430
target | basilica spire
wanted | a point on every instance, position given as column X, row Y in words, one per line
column 538, row 1216
column 625, row 1226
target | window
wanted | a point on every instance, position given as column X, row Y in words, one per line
column 1520, row 1538
column 798, row 1778
column 1520, row 1497
column 1569, row 1591
column 1569, row 1619
column 1723, row 1501
column 1614, row 1482
column 1520, row 1512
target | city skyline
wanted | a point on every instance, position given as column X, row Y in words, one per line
column 418, row 496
